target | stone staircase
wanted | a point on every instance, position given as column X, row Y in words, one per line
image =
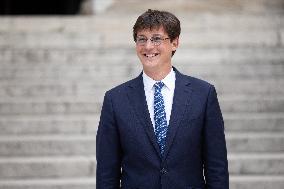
column 54, row 72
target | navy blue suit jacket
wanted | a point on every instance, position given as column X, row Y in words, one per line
column 127, row 152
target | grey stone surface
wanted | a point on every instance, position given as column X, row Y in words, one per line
column 54, row 72
column 256, row 164
column 47, row 168
column 71, row 183
column 252, row 104
column 254, row 122
column 51, row 107
column 259, row 182
column 56, row 145
column 48, row 125
column 255, row 142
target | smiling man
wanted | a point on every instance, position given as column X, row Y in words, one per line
column 163, row 129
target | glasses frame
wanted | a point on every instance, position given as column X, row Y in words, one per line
column 155, row 43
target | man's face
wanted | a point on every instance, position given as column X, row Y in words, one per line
column 155, row 55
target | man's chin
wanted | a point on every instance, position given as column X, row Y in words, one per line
column 150, row 64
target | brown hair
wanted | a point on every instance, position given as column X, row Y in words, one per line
column 154, row 19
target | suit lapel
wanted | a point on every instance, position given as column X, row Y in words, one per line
column 137, row 98
column 181, row 99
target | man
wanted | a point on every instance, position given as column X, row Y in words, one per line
column 161, row 130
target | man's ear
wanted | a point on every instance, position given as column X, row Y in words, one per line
column 175, row 44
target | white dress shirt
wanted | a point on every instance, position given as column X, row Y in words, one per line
column 167, row 92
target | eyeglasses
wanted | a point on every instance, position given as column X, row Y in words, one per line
column 155, row 40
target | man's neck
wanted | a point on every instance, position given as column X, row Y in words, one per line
column 158, row 75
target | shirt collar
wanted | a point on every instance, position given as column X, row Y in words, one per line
column 169, row 81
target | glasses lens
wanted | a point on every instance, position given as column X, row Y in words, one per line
column 141, row 40
column 157, row 40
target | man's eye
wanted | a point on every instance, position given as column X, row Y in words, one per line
column 157, row 39
column 141, row 40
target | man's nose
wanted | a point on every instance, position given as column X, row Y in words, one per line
column 149, row 44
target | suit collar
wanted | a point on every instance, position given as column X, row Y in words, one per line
column 169, row 81
column 138, row 81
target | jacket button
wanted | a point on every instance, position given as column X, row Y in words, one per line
column 163, row 171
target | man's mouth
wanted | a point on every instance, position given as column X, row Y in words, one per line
column 151, row 55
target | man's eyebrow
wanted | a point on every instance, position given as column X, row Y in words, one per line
column 155, row 35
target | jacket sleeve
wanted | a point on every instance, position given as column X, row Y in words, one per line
column 108, row 150
column 215, row 152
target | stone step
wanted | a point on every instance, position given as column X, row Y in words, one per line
column 49, row 145
column 126, row 7
column 96, row 40
column 67, row 145
column 49, row 125
column 260, row 122
column 124, row 22
column 50, row 40
column 61, row 107
column 255, row 142
column 83, row 125
column 45, row 92
column 229, row 56
column 256, row 164
column 56, row 183
column 94, row 75
column 91, row 106
column 257, row 181
column 48, row 168
column 231, row 39
column 57, row 58
column 236, row 182
column 228, row 21
column 248, row 88
column 61, row 33
column 106, row 71
column 85, row 166
column 247, row 104
column 85, row 88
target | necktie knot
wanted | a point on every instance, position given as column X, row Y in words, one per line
column 158, row 86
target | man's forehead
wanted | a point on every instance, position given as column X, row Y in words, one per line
column 155, row 30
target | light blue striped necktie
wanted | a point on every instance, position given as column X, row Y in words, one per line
column 161, row 125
